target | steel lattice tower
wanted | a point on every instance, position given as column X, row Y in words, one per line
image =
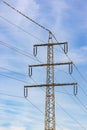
column 50, row 96
column 50, row 84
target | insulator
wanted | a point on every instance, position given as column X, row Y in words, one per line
column 66, row 48
column 25, row 92
column 75, row 90
column 70, row 68
column 35, row 50
column 30, row 71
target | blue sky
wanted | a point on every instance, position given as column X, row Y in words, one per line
column 67, row 19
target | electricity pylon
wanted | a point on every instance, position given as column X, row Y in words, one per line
column 50, row 84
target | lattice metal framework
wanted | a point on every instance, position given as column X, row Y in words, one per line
column 50, row 96
column 50, row 84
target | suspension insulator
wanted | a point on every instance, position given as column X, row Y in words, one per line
column 70, row 68
column 30, row 71
column 75, row 90
column 66, row 48
column 25, row 92
column 35, row 50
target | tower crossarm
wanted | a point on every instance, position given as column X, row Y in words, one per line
column 55, row 84
column 51, row 64
column 48, row 85
column 41, row 65
column 51, row 44
column 65, row 49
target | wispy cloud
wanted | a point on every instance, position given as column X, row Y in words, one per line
column 67, row 19
column 13, row 128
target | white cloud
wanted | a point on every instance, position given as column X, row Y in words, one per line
column 84, row 48
column 22, row 5
column 17, row 128
column 30, row 7
column 59, row 11
column 14, row 62
column 13, row 128
column 78, row 57
column 70, row 20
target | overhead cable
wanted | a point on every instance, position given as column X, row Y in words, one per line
column 27, row 17
column 17, row 26
column 46, row 30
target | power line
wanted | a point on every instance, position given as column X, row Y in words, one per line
column 40, row 109
column 22, row 98
column 30, row 20
column 31, row 79
column 23, row 53
column 71, row 61
column 71, row 117
column 82, row 105
column 15, row 48
column 75, row 81
column 30, row 34
column 77, row 69
column 28, row 100
column 13, row 71
column 56, row 91
column 80, row 87
column 30, row 103
column 72, row 97
column 27, row 17
column 19, row 50
column 81, row 75
column 9, row 95
column 43, row 90
column 13, row 78
column 34, row 105
column 46, row 30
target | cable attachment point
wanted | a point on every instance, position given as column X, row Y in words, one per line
column 50, row 35
column 66, row 48
column 30, row 71
column 25, row 92
column 70, row 68
column 75, row 89
column 35, row 51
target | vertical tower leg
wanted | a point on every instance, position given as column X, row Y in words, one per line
column 50, row 96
